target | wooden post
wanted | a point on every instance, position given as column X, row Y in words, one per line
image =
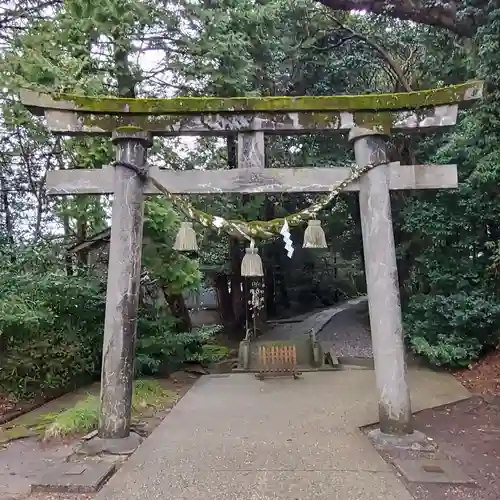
column 122, row 296
column 382, row 284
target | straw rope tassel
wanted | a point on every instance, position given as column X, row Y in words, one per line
column 185, row 241
column 314, row 236
column 251, row 265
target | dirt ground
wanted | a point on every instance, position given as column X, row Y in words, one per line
column 483, row 377
column 9, row 408
column 467, row 432
column 6, row 406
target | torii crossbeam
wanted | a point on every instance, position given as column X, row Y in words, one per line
column 367, row 119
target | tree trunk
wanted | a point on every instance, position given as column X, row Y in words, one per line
column 68, row 259
column 268, row 258
column 81, row 235
column 224, row 299
column 9, row 226
column 237, row 293
column 179, row 310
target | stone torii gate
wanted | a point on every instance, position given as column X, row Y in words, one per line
column 368, row 119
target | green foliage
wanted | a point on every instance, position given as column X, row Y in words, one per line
column 80, row 419
column 447, row 349
column 149, row 393
column 174, row 271
column 212, row 353
column 156, row 342
column 452, row 329
column 160, row 348
column 452, row 312
column 447, row 241
column 51, row 326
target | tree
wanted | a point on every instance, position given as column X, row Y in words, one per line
column 454, row 15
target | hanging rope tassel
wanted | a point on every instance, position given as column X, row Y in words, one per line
column 185, row 241
column 314, row 236
column 251, row 265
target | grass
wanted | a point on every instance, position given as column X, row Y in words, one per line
column 84, row 416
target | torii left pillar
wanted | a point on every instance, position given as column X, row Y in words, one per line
column 122, row 297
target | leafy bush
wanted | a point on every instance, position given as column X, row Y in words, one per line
column 51, row 327
column 160, row 348
column 211, row 353
column 452, row 330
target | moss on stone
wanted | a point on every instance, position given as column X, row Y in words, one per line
column 197, row 105
column 128, row 128
column 379, row 121
column 321, row 120
column 382, row 121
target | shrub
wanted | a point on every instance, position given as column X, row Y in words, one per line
column 161, row 348
column 52, row 329
column 452, row 330
column 211, row 353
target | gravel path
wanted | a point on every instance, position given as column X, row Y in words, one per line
column 348, row 333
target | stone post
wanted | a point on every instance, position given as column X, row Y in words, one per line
column 122, row 298
column 251, row 150
column 382, row 284
column 251, row 154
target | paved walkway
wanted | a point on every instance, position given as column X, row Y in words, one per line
column 233, row 437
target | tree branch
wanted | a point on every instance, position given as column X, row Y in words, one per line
column 395, row 67
column 429, row 12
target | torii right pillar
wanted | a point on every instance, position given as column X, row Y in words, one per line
column 379, row 250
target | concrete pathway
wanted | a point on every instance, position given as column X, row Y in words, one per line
column 233, row 437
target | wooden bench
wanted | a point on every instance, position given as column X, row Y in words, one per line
column 277, row 360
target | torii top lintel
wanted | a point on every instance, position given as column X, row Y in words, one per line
column 406, row 111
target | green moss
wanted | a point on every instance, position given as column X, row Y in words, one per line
column 382, row 122
column 196, row 105
column 12, row 433
column 311, row 121
column 80, row 419
column 128, row 128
